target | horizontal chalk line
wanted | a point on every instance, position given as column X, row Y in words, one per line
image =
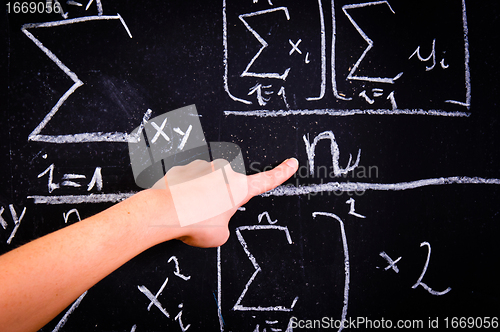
column 286, row 190
column 80, row 199
column 290, row 190
column 346, row 112
column 70, row 21
column 83, row 138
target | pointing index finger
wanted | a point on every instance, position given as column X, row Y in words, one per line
column 261, row 182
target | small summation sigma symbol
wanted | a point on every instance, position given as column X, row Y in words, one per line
column 33, row 7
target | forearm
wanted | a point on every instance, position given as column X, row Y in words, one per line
column 43, row 277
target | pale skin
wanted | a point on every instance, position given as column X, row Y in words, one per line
column 40, row 279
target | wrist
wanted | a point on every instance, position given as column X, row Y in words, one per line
column 154, row 212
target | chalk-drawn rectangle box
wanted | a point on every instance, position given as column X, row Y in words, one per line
column 274, row 52
column 401, row 55
column 277, row 264
column 381, row 57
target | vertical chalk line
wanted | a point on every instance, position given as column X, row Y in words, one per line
column 466, row 61
column 347, row 268
column 333, row 60
column 219, row 290
column 323, row 54
column 225, row 57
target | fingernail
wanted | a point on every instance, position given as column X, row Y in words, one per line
column 292, row 162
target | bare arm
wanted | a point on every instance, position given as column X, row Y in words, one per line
column 40, row 279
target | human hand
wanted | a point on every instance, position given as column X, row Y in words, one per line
column 208, row 222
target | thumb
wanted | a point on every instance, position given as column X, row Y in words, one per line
column 261, row 182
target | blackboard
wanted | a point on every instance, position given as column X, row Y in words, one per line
column 389, row 106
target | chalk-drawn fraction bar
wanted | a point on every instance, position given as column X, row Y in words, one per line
column 385, row 58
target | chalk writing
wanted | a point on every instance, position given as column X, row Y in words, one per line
column 98, row 4
column 177, row 271
column 334, row 150
column 269, row 87
column 73, row 3
column 354, row 71
column 69, row 179
column 65, row 14
column 347, row 269
column 392, row 263
column 346, row 112
column 281, row 93
column 392, row 99
column 96, row 180
column 51, row 185
column 185, row 136
column 272, row 325
column 424, row 270
column 295, row 46
column 154, row 298
column 159, row 131
column 75, row 138
column 80, row 199
column 370, row 43
column 323, row 54
column 266, row 214
column 15, row 219
column 218, row 300
column 179, row 318
column 368, row 99
column 278, row 14
column 466, row 62
column 351, row 202
column 276, row 324
column 257, row 89
column 73, row 307
column 375, row 93
column 431, row 56
column 70, row 212
column 238, row 305
column 2, row 220
column 290, row 190
column 264, row 44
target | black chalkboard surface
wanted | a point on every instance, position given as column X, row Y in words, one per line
column 390, row 107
